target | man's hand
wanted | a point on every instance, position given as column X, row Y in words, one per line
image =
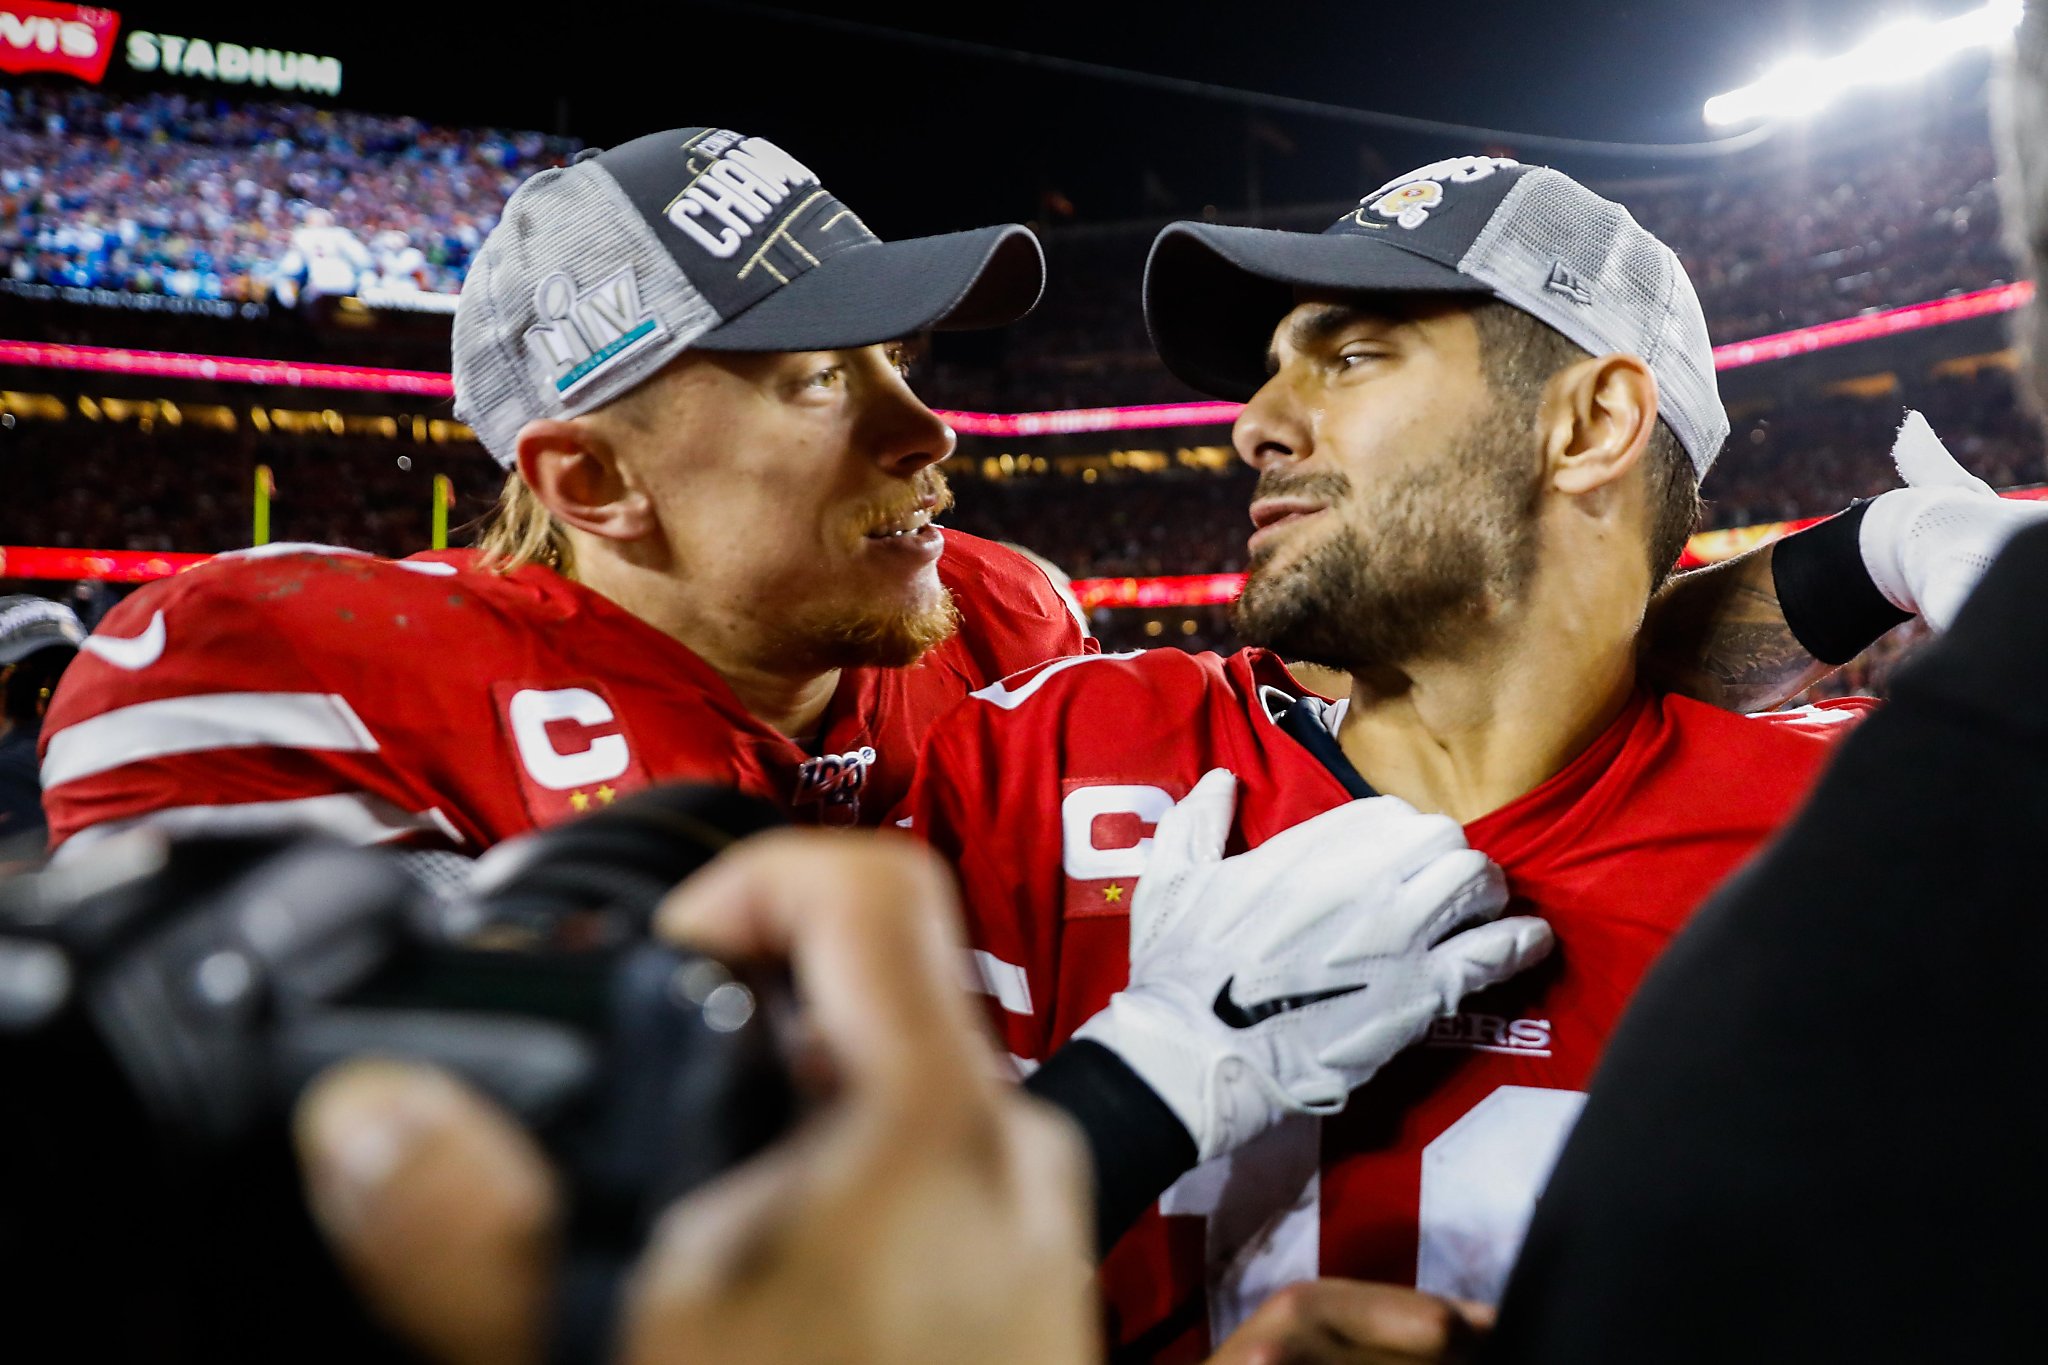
column 1346, row 1322
column 1279, row 980
column 1927, row 544
column 928, row 1213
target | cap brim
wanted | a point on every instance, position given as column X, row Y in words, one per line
column 877, row 292
column 1213, row 293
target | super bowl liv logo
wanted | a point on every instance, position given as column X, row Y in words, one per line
column 583, row 333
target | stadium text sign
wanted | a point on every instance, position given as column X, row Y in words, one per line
column 68, row 38
column 233, row 64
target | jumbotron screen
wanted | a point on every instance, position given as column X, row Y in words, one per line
column 193, row 174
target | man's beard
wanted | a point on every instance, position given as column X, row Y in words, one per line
column 860, row 636
column 875, row 639
column 1447, row 545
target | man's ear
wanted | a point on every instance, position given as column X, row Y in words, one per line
column 1598, row 417
column 575, row 473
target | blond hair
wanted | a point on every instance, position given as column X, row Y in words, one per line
column 521, row 531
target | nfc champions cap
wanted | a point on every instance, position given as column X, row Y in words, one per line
column 601, row 272
column 29, row 623
column 1527, row 235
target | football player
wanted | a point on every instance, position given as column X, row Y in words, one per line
column 714, row 558
column 1479, row 406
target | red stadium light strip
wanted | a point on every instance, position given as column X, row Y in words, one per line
column 1145, row 417
column 1214, row 590
column 106, row 566
column 1914, row 316
column 1189, row 590
column 222, row 369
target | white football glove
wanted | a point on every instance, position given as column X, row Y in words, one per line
column 1927, row 544
column 1228, row 954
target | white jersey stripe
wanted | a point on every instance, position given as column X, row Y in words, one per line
column 216, row 720
column 357, row 817
column 1003, row 980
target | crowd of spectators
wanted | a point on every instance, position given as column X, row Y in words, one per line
column 175, row 194
column 170, row 193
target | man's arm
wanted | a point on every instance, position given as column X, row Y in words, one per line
column 1757, row 630
column 1718, row 635
column 1754, row 631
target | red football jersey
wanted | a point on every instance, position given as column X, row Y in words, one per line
column 431, row 702
column 1043, row 790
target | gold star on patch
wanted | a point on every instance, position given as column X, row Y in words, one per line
column 606, row 795
column 578, row 801
column 1112, row 893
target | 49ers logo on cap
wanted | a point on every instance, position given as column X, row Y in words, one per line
column 1410, row 200
column 1410, row 205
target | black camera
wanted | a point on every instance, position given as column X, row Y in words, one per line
column 164, row 1001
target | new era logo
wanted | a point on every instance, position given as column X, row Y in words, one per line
column 1568, row 282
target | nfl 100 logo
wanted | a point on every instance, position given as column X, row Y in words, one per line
column 834, row 781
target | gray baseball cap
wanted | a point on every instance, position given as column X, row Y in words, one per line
column 1527, row 235
column 601, row 272
column 29, row 623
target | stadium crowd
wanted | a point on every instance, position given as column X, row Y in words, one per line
column 166, row 193
column 170, row 194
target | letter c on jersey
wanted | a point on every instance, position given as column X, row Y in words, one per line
column 531, row 711
column 1078, row 814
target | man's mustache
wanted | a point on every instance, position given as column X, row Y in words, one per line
column 1323, row 486
column 928, row 482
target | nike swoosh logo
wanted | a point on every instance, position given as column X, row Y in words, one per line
column 133, row 654
column 1244, row 1016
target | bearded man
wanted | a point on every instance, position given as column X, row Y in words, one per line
column 1479, row 407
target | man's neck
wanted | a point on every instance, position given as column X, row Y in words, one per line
column 1467, row 734
column 792, row 703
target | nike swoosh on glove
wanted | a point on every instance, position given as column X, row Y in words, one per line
column 1277, row 981
column 1927, row 545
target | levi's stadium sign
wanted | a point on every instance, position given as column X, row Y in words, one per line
column 70, row 39
column 77, row 40
column 233, row 63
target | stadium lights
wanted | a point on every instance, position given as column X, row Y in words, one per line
column 1894, row 55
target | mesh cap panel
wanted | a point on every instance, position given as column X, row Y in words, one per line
column 1581, row 264
column 576, row 222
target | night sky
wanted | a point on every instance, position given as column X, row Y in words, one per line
column 921, row 140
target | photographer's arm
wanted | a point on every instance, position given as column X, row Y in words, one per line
column 926, row 1204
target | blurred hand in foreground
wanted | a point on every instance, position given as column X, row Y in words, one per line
column 927, row 1212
